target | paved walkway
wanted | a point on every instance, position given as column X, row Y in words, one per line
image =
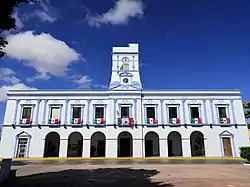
column 132, row 175
column 130, row 162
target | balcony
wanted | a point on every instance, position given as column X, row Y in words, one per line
column 126, row 122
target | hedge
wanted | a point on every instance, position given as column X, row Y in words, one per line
column 245, row 153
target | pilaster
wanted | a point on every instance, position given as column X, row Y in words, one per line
column 186, row 147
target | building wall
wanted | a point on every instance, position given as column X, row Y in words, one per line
column 212, row 134
column 212, row 140
column 235, row 109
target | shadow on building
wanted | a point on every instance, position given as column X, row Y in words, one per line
column 108, row 177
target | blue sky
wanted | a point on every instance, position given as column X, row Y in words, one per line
column 183, row 44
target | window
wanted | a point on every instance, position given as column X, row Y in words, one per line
column 222, row 112
column 125, row 80
column 194, row 112
column 150, row 112
column 77, row 112
column 22, row 147
column 99, row 112
column 172, row 112
column 124, row 112
column 26, row 112
column 55, row 113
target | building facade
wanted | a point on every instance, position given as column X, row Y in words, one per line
column 123, row 120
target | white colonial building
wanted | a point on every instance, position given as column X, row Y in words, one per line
column 124, row 120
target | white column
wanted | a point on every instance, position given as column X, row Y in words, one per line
column 184, row 111
column 186, row 149
column 135, row 112
column 137, row 148
column 111, row 148
column 88, row 111
column 63, row 148
column 162, row 118
column 163, row 148
column 86, row 148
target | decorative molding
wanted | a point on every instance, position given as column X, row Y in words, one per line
column 226, row 133
column 99, row 101
column 150, row 101
column 183, row 100
column 23, row 134
column 221, row 101
column 28, row 101
column 125, row 101
column 172, row 101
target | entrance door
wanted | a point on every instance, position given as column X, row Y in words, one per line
column 227, row 147
column 101, row 148
column 125, row 147
column 170, row 148
column 148, row 148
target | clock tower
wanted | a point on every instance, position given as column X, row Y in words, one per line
column 125, row 68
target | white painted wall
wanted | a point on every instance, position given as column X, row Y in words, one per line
column 212, row 139
column 207, row 101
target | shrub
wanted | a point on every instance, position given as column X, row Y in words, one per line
column 245, row 153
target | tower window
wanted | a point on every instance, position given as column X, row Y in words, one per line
column 125, row 80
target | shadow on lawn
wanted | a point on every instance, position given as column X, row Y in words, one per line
column 108, row 177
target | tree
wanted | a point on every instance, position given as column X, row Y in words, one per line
column 7, row 22
column 246, row 106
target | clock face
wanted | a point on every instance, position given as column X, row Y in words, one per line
column 125, row 60
column 125, row 80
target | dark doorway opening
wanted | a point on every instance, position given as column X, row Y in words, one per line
column 174, row 144
column 52, row 145
column 197, row 144
column 152, row 147
column 75, row 145
column 98, row 145
column 125, row 147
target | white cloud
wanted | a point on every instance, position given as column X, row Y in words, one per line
column 83, row 81
column 46, row 13
column 43, row 52
column 19, row 86
column 7, row 75
column 44, row 16
column 121, row 13
column 19, row 23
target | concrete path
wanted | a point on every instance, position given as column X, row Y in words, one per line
column 132, row 175
column 129, row 162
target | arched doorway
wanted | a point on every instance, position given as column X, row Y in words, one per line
column 174, row 144
column 52, row 145
column 75, row 143
column 197, row 144
column 152, row 147
column 98, row 145
column 125, row 145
